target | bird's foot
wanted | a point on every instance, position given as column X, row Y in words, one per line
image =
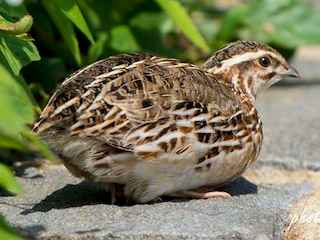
column 203, row 193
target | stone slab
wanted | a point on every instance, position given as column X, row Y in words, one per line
column 307, row 60
column 57, row 206
column 291, row 123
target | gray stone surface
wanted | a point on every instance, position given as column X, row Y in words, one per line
column 57, row 205
column 307, row 61
column 291, row 118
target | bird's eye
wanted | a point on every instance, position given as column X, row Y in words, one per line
column 264, row 61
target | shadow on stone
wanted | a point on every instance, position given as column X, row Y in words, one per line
column 89, row 231
column 29, row 169
column 86, row 193
column 5, row 193
column 240, row 186
column 31, row 232
column 71, row 196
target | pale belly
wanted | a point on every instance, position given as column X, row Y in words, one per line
column 165, row 177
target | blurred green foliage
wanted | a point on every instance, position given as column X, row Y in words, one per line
column 6, row 232
column 8, row 182
column 42, row 41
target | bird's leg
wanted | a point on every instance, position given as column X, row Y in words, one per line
column 116, row 192
column 201, row 193
column 113, row 193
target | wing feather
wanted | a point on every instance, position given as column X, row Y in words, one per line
column 149, row 105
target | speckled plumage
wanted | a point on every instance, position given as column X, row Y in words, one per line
column 155, row 125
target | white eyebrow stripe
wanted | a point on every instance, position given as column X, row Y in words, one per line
column 245, row 57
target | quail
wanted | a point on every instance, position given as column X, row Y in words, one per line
column 156, row 126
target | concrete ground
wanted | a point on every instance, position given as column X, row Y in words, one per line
column 279, row 198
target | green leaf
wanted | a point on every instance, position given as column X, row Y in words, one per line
column 10, row 11
column 96, row 49
column 179, row 15
column 16, row 109
column 37, row 144
column 65, row 28
column 6, row 232
column 72, row 11
column 19, row 27
column 91, row 15
column 8, row 181
column 123, row 40
column 151, row 30
column 149, row 20
column 293, row 23
column 17, row 52
column 11, row 142
column 230, row 23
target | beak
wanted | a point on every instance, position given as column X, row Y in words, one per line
column 292, row 73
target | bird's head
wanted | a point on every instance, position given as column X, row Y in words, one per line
column 250, row 67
